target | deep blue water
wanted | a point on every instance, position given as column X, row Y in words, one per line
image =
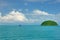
column 29, row 32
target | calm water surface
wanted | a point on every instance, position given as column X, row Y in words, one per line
column 29, row 32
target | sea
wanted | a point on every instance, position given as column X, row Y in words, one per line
column 29, row 32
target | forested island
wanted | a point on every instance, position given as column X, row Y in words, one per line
column 49, row 23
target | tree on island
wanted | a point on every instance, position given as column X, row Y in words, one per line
column 49, row 23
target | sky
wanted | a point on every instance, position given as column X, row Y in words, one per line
column 29, row 12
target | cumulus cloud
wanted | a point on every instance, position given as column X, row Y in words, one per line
column 35, row 17
column 13, row 16
column 38, row 16
column 39, row 12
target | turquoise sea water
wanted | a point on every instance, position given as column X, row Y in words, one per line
column 29, row 32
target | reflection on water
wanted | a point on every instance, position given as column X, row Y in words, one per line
column 29, row 33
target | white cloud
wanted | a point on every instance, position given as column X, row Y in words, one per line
column 35, row 17
column 39, row 12
column 38, row 16
column 13, row 16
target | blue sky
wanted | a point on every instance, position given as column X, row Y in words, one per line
column 28, row 7
column 51, row 6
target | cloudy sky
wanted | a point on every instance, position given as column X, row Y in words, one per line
column 29, row 11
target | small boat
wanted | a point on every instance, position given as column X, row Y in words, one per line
column 20, row 25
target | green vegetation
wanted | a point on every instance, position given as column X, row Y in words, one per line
column 49, row 23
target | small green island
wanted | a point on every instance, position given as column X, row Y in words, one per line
column 49, row 23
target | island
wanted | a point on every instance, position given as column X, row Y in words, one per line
column 49, row 23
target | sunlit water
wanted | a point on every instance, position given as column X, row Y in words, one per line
column 30, row 32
